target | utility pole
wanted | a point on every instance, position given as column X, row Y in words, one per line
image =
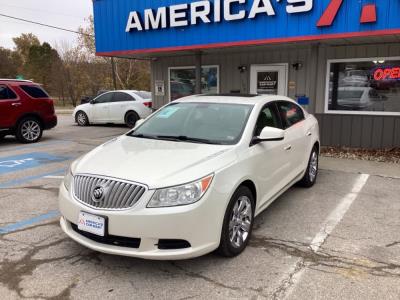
column 113, row 73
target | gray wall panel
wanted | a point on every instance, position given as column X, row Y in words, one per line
column 356, row 129
column 377, row 129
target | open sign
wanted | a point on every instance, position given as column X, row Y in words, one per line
column 387, row 73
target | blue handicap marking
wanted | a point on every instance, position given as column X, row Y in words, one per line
column 27, row 161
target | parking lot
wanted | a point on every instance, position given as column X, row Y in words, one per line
column 340, row 239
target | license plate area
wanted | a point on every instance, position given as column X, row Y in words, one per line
column 92, row 223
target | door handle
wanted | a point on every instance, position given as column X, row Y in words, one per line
column 16, row 104
column 287, row 148
column 308, row 133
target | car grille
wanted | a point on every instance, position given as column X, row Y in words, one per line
column 117, row 194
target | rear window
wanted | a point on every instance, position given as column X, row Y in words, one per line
column 143, row 94
column 34, row 91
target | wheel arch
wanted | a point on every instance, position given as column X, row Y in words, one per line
column 318, row 146
column 252, row 187
column 31, row 115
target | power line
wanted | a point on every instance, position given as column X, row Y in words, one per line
column 45, row 25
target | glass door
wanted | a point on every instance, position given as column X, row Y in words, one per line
column 269, row 79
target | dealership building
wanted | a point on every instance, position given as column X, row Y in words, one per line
column 340, row 59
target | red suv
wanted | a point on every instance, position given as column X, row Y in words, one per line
column 25, row 110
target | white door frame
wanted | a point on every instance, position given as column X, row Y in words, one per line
column 281, row 67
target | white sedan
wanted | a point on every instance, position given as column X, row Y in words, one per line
column 191, row 178
column 117, row 107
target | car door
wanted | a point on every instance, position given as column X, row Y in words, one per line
column 10, row 107
column 118, row 106
column 295, row 145
column 100, row 108
column 270, row 163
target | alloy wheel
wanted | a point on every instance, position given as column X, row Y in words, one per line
column 240, row 221
column 313, row 167
column 81, row 118
column 30, row 130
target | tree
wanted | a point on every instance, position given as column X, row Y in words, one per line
column 10, row 62
column 40, row 64
column 23, row 43
column 130, row 73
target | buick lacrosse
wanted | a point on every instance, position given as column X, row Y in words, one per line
column 191, row 178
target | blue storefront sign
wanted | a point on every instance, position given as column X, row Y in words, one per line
column 149, row 26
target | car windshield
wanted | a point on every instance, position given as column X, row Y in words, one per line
column 210, row 123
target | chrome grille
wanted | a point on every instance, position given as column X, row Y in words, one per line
column 117, row 194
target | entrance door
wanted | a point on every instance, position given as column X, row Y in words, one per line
column 269, row 79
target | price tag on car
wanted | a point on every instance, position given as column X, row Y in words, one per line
column 91, row 223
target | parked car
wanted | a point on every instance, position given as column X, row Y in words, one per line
column 190, row 178
column 25, row 110
column 355, row 78
column 118, row 107
column 357, row 98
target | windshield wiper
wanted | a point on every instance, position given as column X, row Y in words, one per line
column 143, row 136
column 184, row 138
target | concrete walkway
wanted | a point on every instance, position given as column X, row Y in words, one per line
column 360, row 166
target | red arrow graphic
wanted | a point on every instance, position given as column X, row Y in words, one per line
column 330, row 13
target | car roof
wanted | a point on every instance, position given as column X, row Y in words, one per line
column 235, row 98
column 16, row 80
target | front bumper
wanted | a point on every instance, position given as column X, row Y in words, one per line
column 199, row 224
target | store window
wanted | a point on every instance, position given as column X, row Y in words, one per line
column 366, row 86
column 182, row 81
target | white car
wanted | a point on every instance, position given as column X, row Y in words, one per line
column 117, row 107
column 191, row 178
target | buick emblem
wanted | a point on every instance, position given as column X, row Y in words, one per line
column 98, row 193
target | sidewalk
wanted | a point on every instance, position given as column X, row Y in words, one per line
column 64, row 111
column 360, row 166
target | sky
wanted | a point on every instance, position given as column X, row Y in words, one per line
column 69, row 14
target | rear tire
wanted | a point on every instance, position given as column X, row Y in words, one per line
column 310, row 176
column 131, row 118
column 81, row 118
column 29, row 130
column 238, row 223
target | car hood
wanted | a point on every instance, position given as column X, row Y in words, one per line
column 156, row 163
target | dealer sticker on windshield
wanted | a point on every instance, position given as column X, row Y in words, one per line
column 167, row 112
column 91, row 223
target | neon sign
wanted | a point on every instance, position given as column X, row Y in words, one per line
column 387, row 73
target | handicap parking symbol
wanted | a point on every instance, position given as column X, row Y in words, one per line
column 27, row 161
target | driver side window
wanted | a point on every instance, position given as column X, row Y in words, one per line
column 105, row 98
column 268, row 117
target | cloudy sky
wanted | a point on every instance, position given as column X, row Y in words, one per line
column 68, row 14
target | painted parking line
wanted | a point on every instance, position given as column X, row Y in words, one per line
column 53, row 177
column 16, row 182
column 29, row 222
column 330, row 223
column 9, row 164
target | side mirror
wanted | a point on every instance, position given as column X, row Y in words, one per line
column 139, row 122
column 269, row 134
column 92, row 101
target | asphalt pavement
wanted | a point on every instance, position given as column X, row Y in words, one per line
column 337, row 240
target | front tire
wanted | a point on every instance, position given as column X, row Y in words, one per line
column 81, row 118
column 238, row 223
column 29, row 130
column 131, row 118
column 310, row 176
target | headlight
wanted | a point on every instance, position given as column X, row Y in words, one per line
column 68, row 179
column 181, row 195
